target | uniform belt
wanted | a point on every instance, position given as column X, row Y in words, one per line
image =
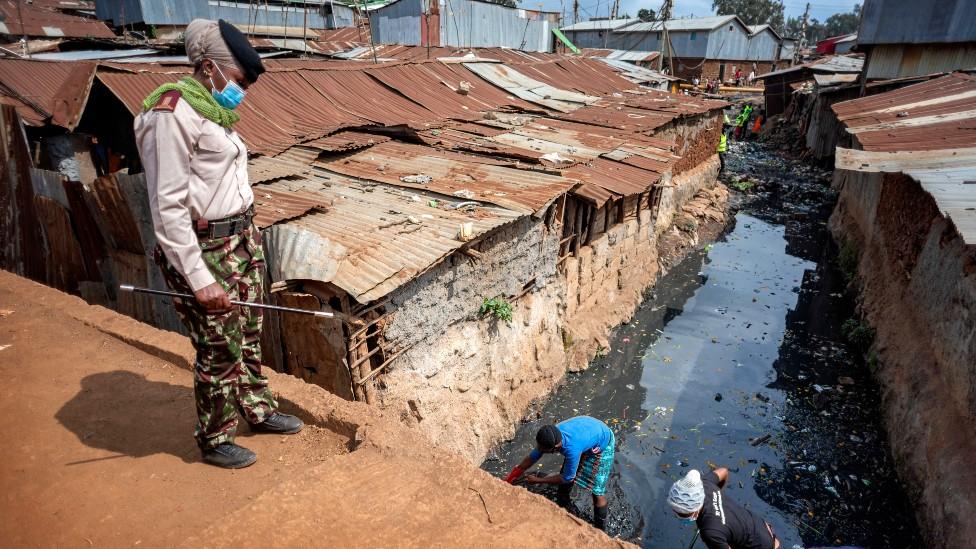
column 222, row 228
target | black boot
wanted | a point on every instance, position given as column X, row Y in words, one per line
column 562, row 495
column 600, row 517
column 283, row 424
column 229, row 456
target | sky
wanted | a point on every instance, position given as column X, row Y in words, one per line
column 819, row 9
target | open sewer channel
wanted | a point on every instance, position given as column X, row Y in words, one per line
column 738, row 358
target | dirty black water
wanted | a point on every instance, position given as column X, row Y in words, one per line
column 742, row 343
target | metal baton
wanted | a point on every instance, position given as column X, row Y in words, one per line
column 131, row 288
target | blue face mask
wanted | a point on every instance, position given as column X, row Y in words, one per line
column 687, row 520
column 232, row 94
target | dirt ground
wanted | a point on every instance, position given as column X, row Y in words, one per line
column 100, row 453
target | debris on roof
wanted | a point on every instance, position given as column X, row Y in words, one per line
column 388, row 149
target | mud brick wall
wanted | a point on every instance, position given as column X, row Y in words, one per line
column 918, row 290
column 688, row 68
column 696, row 142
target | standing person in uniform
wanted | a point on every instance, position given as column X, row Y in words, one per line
column 587, row 446
column 202, row 205
column 723, row 524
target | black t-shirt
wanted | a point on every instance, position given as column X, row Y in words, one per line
column 723, row 523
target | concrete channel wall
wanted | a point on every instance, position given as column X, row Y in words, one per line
column 918, row 288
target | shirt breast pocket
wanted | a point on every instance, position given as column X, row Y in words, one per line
column 214, row 154
column 213, row 143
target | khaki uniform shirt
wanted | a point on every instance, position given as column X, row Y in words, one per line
column 195, row 169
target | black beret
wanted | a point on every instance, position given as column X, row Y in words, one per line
column 242, row 50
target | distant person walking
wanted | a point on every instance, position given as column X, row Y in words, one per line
column 202, row 209
column 723, row 523
column 587, row 446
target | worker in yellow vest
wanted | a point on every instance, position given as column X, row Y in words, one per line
column 723, row 142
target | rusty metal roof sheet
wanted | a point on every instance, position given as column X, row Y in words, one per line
column 937, row 114
column 926, row 131
column 361, row 95
column 346, row 141
column 50, row 90
column 296, row 161
column 583, row 75
column 374, row 238
column 294, row 102
column 423, row 86
column 27, row 19
column 616, row 177
column 258, row 126
column 273, row 205
column 480, row 91
column 453, row 174
column 530, row 89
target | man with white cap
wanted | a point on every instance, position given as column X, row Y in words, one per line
column 202, row 207
column 723, row 523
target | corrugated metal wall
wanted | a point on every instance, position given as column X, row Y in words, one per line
column 398, row 23
column 912, row 21
column 762, row 47
column 343, row 16
column 728, row 44
column 468, row 23
column 786, row 51
column 717, row 44
column 152, row 12
column 181, row 12
column 271, row 15
column 684, row 45
column 897, row 61
column 593, row 38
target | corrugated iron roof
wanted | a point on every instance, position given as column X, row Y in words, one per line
column 93, row 55
column 599, row 24
column 830, row 64
column 926, row 131
column 530, row 89
column 622, row 55
column 938, row 114
column 346, row 141
column 453, row 174
column 47, row 90
column 273, row 205
column 583, row 75
column 362, row 96
column 480, row 90
column 688, row 24
column 374, row 238
column 293, row 162
column 423, row 86
column 28, row 19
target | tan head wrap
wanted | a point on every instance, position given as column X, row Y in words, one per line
column 203, row 41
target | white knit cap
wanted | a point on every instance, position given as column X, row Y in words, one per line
column 687, row 494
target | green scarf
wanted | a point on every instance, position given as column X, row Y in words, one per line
column 198, row 97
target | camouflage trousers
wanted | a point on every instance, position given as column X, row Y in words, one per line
column 227, row 377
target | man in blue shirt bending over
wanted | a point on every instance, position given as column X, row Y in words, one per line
column 587, row 446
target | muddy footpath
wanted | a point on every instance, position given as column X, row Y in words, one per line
column 748, row 355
